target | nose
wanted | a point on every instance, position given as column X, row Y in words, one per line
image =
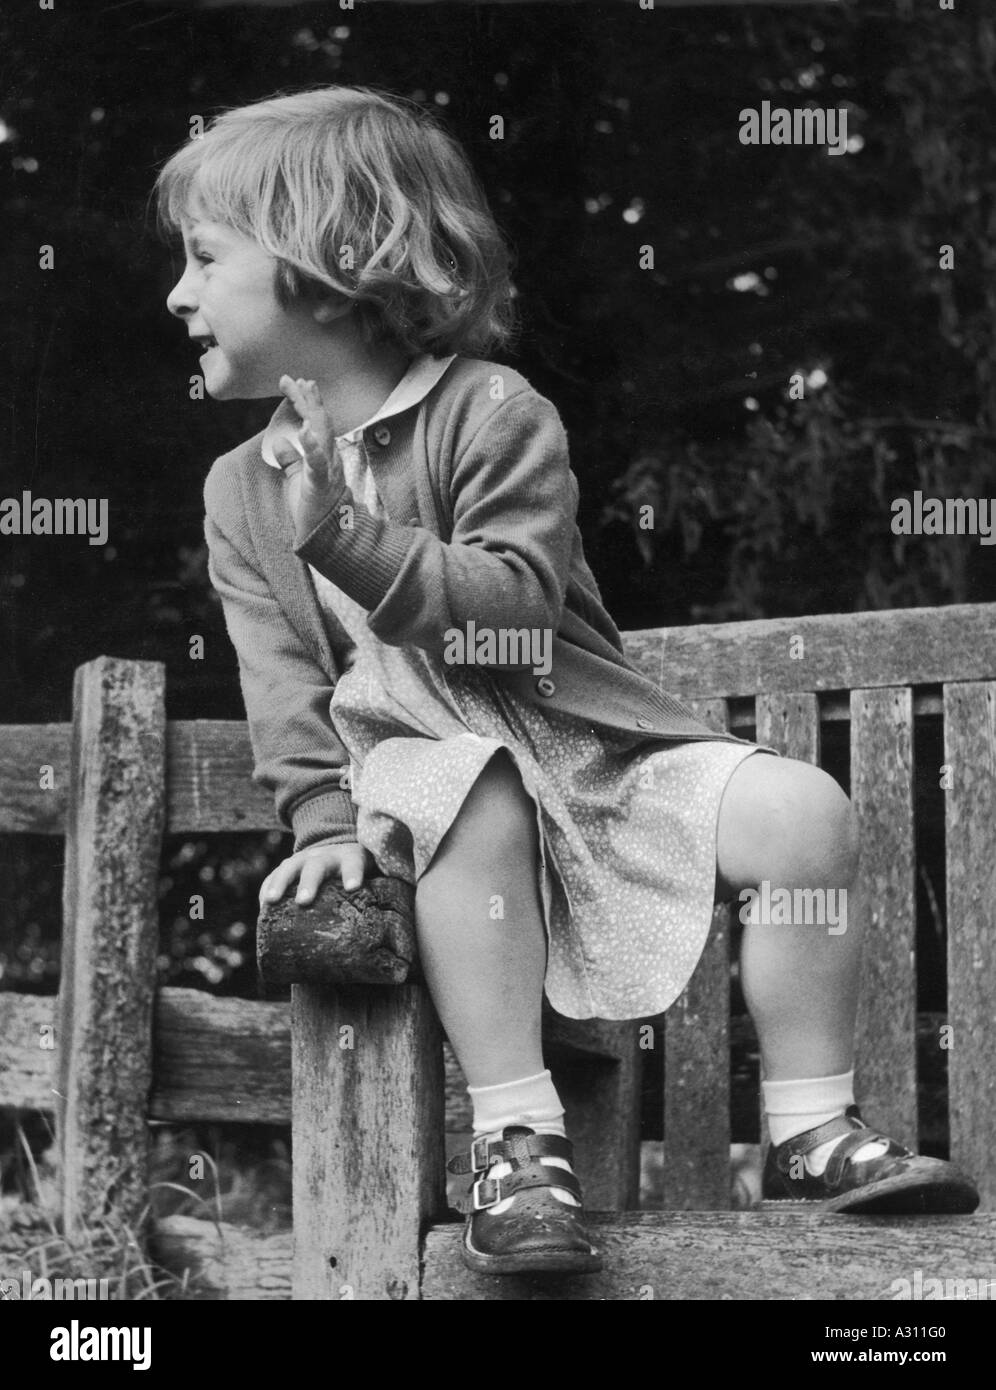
column 181, row 300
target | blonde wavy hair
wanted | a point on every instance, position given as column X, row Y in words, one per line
column 362, row 194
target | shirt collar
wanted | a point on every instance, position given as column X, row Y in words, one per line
column 412, row 389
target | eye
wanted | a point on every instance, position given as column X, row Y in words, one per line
column 203, row 258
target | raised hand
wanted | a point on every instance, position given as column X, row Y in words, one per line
column 322, row 480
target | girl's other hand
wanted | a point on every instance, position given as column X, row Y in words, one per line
column 322, row 479
column 310, row 867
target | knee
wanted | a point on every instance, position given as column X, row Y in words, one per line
column 784, row 819
column 820, row 821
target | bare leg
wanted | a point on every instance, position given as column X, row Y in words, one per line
column 790, row 823
column 485, row 971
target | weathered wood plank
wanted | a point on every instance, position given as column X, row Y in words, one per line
column 27, row 1057
column 25, row 805
column 790, row 723
column 666, row 1256
column 209, row 763
column 229, row 1059
column 697, row 1064
column 209, row 766
column 208, row 770
column 671, row 1256
column 363, row 937
column 222, row 1261
column 970, row 815
column 842, row 651
column 220, row 1059
column 368, row 1139
column 595, row 1066
column 110, row 931
column 882, row 795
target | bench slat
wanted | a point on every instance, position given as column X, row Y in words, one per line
column 841, row 651
column 209, row 766
column 208, row 779
column 882, row 793
column 671, row 1256
column 697, row 1066
column 970, row 814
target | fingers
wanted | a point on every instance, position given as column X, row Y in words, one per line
column 309, row 868
column 353, row 865
column 305, row 397
column 275, row 885
column 314, row 871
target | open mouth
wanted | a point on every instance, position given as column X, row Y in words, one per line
column 206, row 342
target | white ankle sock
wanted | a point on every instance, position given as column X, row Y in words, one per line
column 531, row 1101
column 792, row 1107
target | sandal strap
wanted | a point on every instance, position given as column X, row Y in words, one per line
column 848, row 1123
column 487, row 1192
column 516, row 1148
column 847, row 1147
column 853, row 1134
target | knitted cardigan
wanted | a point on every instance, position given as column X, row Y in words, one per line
column 480, row 525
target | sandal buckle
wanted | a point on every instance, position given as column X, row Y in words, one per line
column 479, row 1164
column 475, row 1195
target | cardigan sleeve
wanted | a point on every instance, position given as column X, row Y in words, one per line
column 506, row 564
column 297, row 753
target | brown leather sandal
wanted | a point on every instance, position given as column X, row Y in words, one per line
column 538, row 1233
column 897, row 1182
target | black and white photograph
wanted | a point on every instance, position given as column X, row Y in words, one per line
column 498, row 696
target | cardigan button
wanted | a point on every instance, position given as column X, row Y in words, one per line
column 382, row 435
column 644, row 723
column 545, row 686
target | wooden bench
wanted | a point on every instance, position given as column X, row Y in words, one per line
column 358, row 1067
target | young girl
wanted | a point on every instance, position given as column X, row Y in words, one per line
column 565, row 824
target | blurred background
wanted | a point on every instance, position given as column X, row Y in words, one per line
column 621, row 133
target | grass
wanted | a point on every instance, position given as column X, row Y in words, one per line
column 186, row 1179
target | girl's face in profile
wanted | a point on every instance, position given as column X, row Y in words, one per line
column 226, row 297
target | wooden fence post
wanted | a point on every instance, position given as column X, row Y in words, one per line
column 368, row 1167
column 114, row 826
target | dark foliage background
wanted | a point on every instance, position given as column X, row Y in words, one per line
column 621, row 131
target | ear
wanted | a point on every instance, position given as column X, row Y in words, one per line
column 331, row 309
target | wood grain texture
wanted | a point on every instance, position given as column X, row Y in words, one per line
column 970, row 818
column 230, row 1059
column 842, row 651
column 368, row 1138
column 24, row 805
column 697, row 1064
column 363, row 937
column 596, row 1068
column 28, row 1064
column 672, row 1256
column 882, row 795
column 222, row 1261
column 220, row 1059
column 209, row 779
column 110, row 932
column 651, row 1256
column 790, row 723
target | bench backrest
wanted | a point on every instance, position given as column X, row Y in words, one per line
column 122, row 776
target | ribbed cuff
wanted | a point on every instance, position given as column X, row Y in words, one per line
column 329, row 816
column 363, row 560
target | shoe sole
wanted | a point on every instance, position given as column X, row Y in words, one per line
column 534, row 1264
column 909, row 1196
column 538, row 1262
